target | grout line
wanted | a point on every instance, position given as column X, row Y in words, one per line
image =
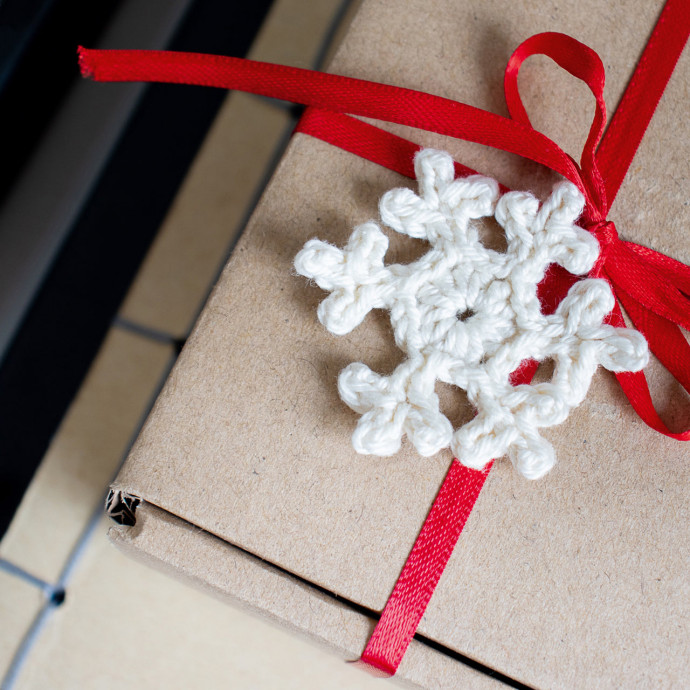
column 19, row 572
column 150, row 333
column 25, row 646
column 145, row 331
column 86, row 534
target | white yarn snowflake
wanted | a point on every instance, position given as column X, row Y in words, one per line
column 468, row 315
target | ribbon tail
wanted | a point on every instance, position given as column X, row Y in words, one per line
column 651, row 288
column 636, row 389
column 665, row 339
column 635, row 386
column 333, row 93
column 674, row 271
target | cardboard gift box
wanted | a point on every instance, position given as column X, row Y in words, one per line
column 244, row 480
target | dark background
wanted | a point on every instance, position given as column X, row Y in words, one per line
column 79, row 292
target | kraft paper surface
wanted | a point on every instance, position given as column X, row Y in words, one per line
column 576, row 580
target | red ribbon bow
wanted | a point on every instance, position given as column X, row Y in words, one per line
column 653, row 289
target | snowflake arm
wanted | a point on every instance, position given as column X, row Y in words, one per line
column 444, row 210
column 355, row 276
column 579, row 342
column 402, row 403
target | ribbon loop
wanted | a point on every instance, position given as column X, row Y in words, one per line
column 584, row 64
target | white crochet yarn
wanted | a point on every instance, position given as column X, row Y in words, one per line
column 467, row 315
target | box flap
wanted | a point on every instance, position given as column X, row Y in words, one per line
column 232, row 575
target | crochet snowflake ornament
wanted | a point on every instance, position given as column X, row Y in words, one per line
column 468, row 315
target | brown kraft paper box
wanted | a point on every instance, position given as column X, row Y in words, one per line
column 249, row 485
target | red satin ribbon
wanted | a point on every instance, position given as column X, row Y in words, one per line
column 424, row 567
column 653, row 289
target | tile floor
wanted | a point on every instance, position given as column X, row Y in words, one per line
column 75, row 612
